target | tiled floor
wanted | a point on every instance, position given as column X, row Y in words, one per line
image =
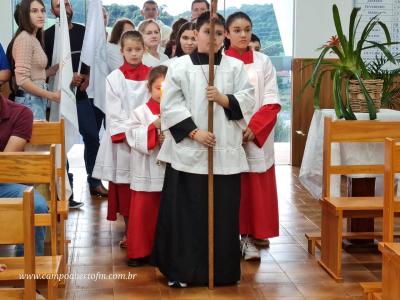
column 286, row 271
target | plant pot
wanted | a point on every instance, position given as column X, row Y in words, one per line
column 356, row 96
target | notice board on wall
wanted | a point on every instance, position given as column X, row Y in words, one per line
column 389, row 13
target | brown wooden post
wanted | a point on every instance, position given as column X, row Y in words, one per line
column 213, row 16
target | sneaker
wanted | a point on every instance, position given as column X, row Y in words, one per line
column 39, row 296
column 249, row 250
column 176, row 284
column 74, row 204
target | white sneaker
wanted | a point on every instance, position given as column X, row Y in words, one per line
column 249, row 250
column 177, row 284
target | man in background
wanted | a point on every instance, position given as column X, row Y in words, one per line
column 90, row 117
column 150, row 10
column 198, row 7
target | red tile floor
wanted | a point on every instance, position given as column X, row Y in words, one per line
column 286, row 270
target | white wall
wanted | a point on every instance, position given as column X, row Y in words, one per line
column 313, row 24
column 6, row 18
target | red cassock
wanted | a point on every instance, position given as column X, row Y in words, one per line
column 259, row 215
column 144, row 205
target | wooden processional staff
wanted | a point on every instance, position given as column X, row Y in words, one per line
column 213, row 17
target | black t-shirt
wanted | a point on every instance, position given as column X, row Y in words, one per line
column 76, row 35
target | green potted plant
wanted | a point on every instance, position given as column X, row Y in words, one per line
column 350, row 69
column 391, row 88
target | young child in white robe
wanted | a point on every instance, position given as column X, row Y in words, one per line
column 147, row 173
column 126, row 89
column 181, row 244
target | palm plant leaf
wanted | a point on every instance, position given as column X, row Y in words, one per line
column 370, row 103
column 352, row 28
column 339, row 30
column 386, row 31
column 336, row 102
column 365, row 33
column 384, row 50
column 318, row 64
column 318, row 88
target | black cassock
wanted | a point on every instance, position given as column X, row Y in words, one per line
column 181, row 243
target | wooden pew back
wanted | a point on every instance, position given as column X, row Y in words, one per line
column 342, row 131
column 29, row 168
column 392, row 166
column 17, row 223
column 48, row 133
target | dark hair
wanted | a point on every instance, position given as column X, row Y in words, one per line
column 16, row 14
column 152, row 2
column 131, row 35
column 176, row 26
column 118, row 28
column 233, row 17
column 201, row 1
column 204, row 18
column 187, row 26
column 255, row 38
column 171, row 42
column 169, row 48
column 24, row 20
column 155, row 73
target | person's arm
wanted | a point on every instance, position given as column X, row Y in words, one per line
column 118, row 120
column 32, row 88
column 15, row 144
column 5, row 76
column 142, row 136
column 21, row 132
column 22, row 52
column 263, row 121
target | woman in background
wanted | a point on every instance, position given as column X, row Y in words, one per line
column 31, row 60
column 150, row 31
column 185, row 42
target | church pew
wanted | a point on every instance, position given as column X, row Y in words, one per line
column 47, row 133
column 335, row 209
column 17, row 215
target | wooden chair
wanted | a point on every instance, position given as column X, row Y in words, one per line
column 47, row 133
column 31, row 168
column 335, row 209
column 388, row 288
column 17, row 216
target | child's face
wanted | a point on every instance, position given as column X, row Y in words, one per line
column 255, row 46
column 151, row 36
column 133, row 52
column 188, row 41
column 155, row 89
column 239, row 33
column 203, row 38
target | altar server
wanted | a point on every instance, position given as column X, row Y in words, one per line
column 147, row 173
column 181, row 244
column 259, row 200
column 126, row 89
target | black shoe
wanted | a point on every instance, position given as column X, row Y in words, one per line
column 99, row 191
column 137, row 262
column 73, row 204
